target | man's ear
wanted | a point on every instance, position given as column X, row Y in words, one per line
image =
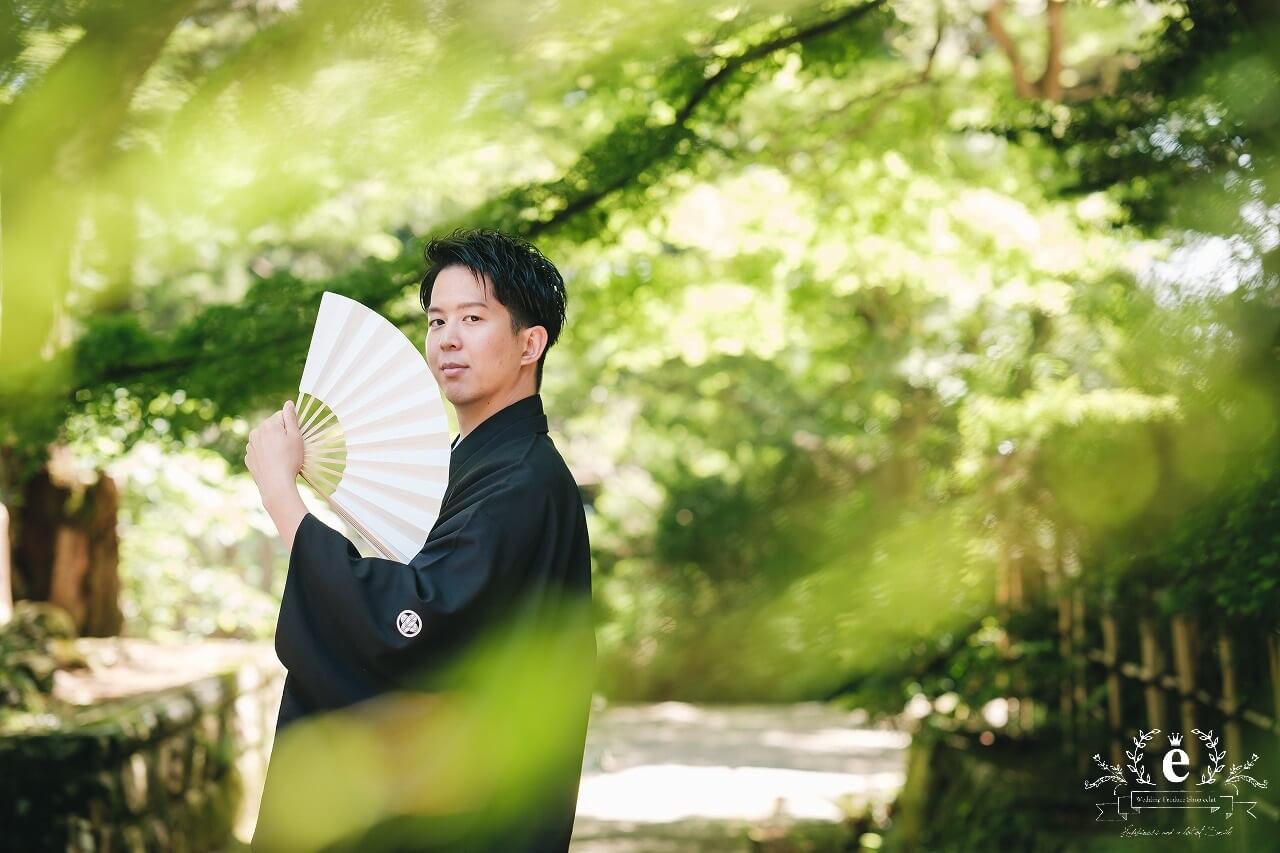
column 535, row 341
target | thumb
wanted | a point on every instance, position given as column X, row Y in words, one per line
column 290, row 416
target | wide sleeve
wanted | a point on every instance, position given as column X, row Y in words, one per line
column 352, row 626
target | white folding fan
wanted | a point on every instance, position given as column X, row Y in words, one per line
column 375, row 435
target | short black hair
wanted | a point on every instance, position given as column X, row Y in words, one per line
column 524, row 281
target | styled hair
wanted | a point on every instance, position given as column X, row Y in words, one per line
column 524, row 281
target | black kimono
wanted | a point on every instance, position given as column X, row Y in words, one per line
column 492, row 617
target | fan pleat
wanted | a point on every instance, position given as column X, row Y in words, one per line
column 409, row 434
column 391, row 386
column 360, row 354
column 328, row 324
column 407, row 410
column 439, row 473
column 386, row 515
column 352, row 518
column 403, row 454
column 375, row 434
column 389, row 505
column 368, row 372
column 338, row 359
column 393, row 486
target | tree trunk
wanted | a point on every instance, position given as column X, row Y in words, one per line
column 67, row 550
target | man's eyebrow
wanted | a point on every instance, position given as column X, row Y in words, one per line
column 461, row 305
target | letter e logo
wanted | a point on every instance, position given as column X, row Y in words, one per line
column 1175, row 757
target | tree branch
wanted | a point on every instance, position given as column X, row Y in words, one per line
column 665, row 138
column 1048, row 84
column 885, row 95
column 995, row 26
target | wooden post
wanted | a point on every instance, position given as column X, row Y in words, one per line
column 1065, row 652
column 1017, row 585
column 1002, row 580
column 1273, row 657
column 1026, row 713
column 1230, row 696
column 1081, row 662
column 1008, row 599
column 1152, row 670
column 1184, row 662
column 1058, row 584
column 1022, row 570
column 1110, row 650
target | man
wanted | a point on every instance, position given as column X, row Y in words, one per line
column 442, row 704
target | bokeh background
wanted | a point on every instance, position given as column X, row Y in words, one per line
column 921, row 357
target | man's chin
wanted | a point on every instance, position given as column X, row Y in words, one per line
column 457, row 396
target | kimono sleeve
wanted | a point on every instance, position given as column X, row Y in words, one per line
column 351, row 626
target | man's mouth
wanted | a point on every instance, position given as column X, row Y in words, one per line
column 453, row 370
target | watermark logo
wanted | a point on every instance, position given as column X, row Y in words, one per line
column 1174, row 768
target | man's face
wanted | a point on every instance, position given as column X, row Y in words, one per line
column 469, row 327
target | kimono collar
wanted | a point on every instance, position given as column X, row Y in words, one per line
column 523, row 417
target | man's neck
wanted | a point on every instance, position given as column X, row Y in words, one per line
column 472, row 416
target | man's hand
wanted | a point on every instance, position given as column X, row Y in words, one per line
column 274, row 454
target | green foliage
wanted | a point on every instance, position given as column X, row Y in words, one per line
column 194, row 559
column 1198, row 107
column 1009, row 795
column 34, row 644
column 1222, row 562
column 960, row 672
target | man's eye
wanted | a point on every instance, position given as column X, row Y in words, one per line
column 471, row 316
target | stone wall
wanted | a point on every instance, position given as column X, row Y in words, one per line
column 172, row 769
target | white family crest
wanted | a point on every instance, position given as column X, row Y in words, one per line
column 408, row 623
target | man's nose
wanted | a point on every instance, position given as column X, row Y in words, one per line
column 449, row 335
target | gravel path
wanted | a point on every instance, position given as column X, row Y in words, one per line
column 678, row 777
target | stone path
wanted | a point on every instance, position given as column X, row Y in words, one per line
column 677, row 777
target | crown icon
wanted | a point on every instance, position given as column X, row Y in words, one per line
column 1175, row 739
